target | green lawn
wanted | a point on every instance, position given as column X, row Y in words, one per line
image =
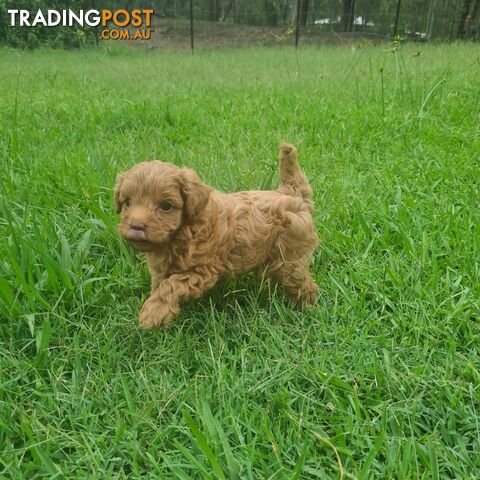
column 380, row 380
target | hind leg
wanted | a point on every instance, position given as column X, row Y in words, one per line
column 289, row 260
column 297, row 282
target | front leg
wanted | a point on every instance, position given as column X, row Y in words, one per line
column 164, row 303
column 155, row 279
column 157, row 265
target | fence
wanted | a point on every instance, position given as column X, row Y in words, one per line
column 229, row 23
column 217, row 23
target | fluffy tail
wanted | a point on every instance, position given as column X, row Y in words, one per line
column 293, row 180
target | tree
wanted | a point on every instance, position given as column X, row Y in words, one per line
column 303, row 12
column 270, row 13
column 213, row 10
column 282, row 7
column 431, row 18
column 464, row 19
column 348, row 15
column 475, row 21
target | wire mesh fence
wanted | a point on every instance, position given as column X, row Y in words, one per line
column 188, row 24
column 230, row 23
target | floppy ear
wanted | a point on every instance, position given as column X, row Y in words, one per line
column 195, row 194
column 116, row 192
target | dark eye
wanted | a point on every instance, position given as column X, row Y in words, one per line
column 127, row 202
column 165, row 206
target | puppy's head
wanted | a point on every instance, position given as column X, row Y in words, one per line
column 154, row 200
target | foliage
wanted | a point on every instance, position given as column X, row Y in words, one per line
column 33, row 37
column 418, row 20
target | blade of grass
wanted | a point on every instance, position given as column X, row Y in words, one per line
column 203, row 444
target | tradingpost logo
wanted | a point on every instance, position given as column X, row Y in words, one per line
column 119, row 24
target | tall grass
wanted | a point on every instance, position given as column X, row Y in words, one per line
column 380, row 380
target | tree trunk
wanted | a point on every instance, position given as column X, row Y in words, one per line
column 226, row 11
column 366, row 16
column 464, row 19
column 431, row 18
column 282, row 9
column 213, row 10
column 348, row 15
column 453, row 25
column 285, row 13
column 303, row 12
column 475, row 23
column 294, row 14
column 270, row 13
column 446, row 20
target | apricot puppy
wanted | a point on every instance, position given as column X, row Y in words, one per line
column 193, row 236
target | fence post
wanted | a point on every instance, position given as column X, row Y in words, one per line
column 397, row 16
column 191, row 24
column 297, row 28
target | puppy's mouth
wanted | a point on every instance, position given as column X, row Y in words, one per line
column 138, row 240
column 136, row 235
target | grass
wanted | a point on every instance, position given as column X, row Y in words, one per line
column 380, row 380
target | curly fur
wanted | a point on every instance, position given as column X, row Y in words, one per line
column 193, row 236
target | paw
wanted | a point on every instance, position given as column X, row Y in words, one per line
column 308, row 296
column 156, row 314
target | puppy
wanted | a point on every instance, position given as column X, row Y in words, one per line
column 194, row 236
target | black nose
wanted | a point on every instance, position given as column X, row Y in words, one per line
column 138, row 226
